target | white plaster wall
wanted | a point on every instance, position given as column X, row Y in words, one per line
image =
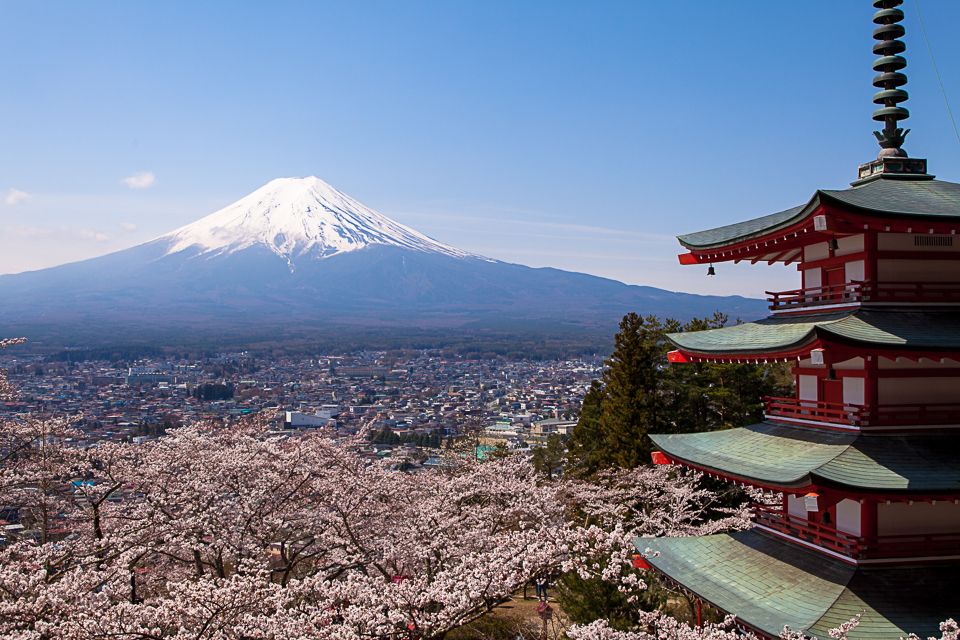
column 795, row 506
column 848, row 516
column 817, row 251
column 899, row 518
column 807, row 387
column 853, row 363
column 853, row 391
column 811, row 278
column 925, row 363
column 848, row 245
column 904, row 242
column 854, row 271
column 918, row 390
column 918, row 270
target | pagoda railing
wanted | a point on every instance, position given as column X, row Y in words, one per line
column 865, row 292
column 857, row 547
column 838, row 413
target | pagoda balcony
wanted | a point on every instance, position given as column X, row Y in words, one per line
column 865, row 292
column 849, row 416
column 875, row 548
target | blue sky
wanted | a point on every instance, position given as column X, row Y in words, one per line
column 578, row 135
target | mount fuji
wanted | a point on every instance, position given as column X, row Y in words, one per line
column 298, row 252
column 298, row 219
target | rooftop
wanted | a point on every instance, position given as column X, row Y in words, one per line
column 874, row 327
column 770, row 583
column 882, row 198
column 778, row 455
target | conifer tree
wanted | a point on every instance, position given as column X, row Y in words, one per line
column 640, row 392
column 628, row 402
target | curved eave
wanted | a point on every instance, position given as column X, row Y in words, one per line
column 786, row 353
column 859, row 331
column 757, row 229
column 769, row 583
column 730, row 455
column 933, row 206
column 776, row 337
column 780, row 456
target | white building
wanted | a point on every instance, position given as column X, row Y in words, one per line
column 325, row 416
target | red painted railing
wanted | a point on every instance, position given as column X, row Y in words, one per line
column 888, row 415
column 814, row 296
column 858, row 548
column 833, row 413
column 865, row 291
column 803, row 529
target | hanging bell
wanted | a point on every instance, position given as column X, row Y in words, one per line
column 833, row 244
column 831, row 374
column 711, row 272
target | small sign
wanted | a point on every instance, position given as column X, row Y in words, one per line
column 816, row 356
column 819, row 223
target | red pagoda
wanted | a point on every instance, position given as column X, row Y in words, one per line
column 865, row 460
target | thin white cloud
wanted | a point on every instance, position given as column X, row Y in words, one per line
column 141, row 180
column 128, row 226
column 94, row 235
column 23, row 231
column 571, row 229
column 16, row 196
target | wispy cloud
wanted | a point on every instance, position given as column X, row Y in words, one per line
column 26, row 231
column 16, row 196
column 128, row 226
column 519, row 226
column 94, row 235
column 25, row 248
column 141, row 180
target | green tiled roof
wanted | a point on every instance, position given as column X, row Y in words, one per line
column 884, row 328
column 743, row 230
column 768, row 583
column 913, row 198
column 791, row 456
column 883, row 198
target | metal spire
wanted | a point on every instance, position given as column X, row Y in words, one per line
column 892, row 161
column 889, row 79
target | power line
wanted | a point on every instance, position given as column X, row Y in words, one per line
column 917, row 7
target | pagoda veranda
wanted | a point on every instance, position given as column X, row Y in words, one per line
column 863, row 460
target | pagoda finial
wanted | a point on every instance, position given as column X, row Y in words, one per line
column 889, row 79
column 892, row 162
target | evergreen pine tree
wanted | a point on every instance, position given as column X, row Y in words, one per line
column 548, row 460
column 628, row 402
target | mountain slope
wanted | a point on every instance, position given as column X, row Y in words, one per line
column 298, row 251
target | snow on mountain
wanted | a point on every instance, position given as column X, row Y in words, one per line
column 294, row 217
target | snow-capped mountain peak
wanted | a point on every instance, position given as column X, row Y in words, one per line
column 296, row 216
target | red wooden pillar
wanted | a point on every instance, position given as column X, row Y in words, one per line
column 871, row 393
column 870, row 262
column 868, row 519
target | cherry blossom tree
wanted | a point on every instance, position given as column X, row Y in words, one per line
column 661, row 627
column 238, row 532
column 226, row 530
